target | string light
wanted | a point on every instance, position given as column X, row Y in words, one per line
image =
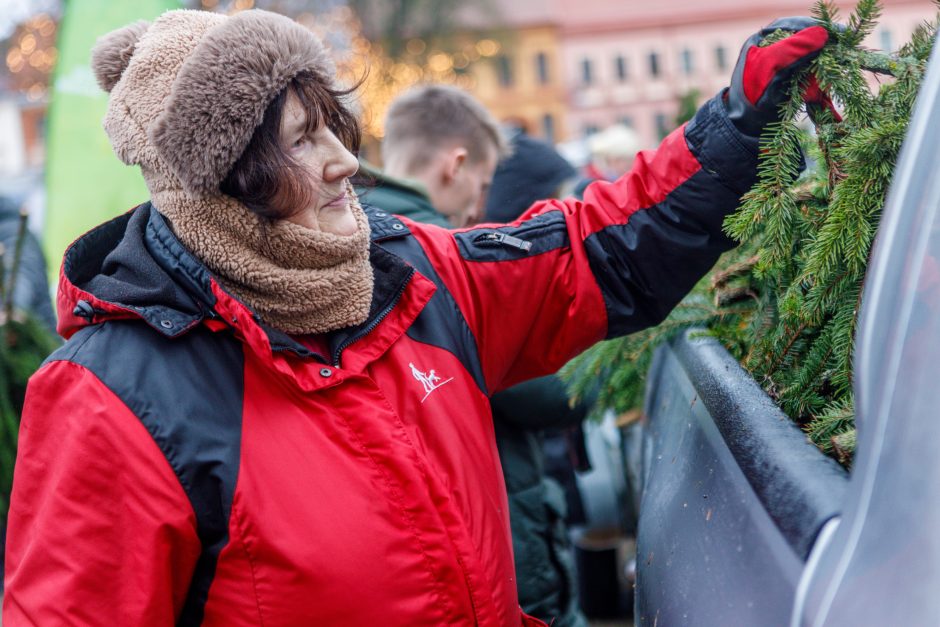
column 415, row 46
column 368, row 64
column 32, row 56
column 487, row 47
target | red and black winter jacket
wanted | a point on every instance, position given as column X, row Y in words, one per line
column 180, row 462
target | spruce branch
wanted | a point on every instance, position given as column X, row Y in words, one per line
column 786, row 302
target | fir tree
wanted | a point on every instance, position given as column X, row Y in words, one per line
column 785, row 303
column 24, row 343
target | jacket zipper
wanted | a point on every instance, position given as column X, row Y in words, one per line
column 375, row 321
column 502, row 239
column 516, row 239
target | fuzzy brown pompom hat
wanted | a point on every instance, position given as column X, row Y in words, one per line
column 187, row 92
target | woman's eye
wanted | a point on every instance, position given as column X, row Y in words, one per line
column 301, row 141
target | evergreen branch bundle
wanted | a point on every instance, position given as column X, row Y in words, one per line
column 24, row 344
column 786, row 301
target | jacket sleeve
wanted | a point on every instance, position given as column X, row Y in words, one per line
column 100, row 530
column 568, row 273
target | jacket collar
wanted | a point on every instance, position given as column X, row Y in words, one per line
column 369, row 174
column 134, row 267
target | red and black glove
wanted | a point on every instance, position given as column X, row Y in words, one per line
column 761, row 79
column 816, row 98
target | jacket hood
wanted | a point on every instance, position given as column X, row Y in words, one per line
column 133, row 267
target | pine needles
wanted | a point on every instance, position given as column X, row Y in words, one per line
column 24, row 344
column 786, row 301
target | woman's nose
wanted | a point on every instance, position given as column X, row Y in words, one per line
column 341, row 163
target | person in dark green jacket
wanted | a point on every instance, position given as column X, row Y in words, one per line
column 401, row 196
column 440, row 151
column 544, row 560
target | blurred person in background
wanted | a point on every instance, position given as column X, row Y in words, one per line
column 533, row 171
column 440, row 149
column 538, row 510
column 612, row 152
column 31, row 288
column 272, row 407
column 423, row 154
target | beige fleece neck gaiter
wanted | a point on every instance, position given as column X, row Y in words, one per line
column 297, row 280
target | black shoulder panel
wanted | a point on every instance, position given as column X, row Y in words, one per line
column 541, row 234
column 440, row 323
column 188, row 393
column 646, row 266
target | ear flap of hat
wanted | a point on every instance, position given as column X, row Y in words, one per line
column 112, row 53
column 223, row 89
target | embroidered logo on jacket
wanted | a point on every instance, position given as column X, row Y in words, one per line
column 429, row 380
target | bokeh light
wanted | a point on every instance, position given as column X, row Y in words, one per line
column 31, row 56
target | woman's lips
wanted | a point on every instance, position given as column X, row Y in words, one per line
column 339, row 201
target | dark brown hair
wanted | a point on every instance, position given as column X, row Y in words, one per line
column 266, row 179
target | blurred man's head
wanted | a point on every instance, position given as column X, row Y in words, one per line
column 444, row 138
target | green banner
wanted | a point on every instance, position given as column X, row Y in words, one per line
column 86, row 183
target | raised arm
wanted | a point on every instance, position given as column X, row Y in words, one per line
column 570, row 273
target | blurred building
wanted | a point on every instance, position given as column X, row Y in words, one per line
column 568, row 68
column 631, row 61
column 523, row 81
column 22, row 145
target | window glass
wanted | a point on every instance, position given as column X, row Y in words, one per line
column 721, row 58
column 885, row 39
column 504, row 70
column 541, row 68
column 688, row 64
column 654, row 64
column 620, row 68
column 548, row 128
column 586, row 72
column 662, row 127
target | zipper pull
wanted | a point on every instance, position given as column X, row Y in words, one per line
column 505, row 240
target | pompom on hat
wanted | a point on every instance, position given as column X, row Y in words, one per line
column 189, row 89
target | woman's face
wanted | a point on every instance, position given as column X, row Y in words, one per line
column 328, row 163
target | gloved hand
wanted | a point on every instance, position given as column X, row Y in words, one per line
column 761, row 79
column 815, row 98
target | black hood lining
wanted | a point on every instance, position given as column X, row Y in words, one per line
column 136, row 262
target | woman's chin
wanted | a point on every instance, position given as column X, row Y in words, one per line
column 337, row 220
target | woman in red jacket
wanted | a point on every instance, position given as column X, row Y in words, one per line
column 272, row 407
